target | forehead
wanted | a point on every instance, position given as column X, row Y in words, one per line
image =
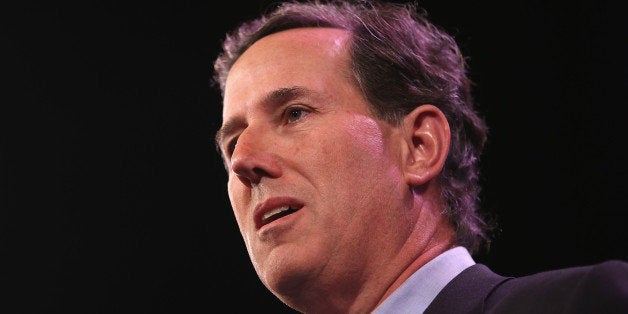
column 308, row 57
column 308, row 42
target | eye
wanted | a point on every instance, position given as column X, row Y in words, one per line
column 230, row 147
column 294, row 114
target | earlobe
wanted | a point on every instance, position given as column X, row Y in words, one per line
column 427, row 137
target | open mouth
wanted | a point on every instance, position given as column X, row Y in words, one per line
column 277, row 213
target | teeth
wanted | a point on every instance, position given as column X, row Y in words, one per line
column 274, row 212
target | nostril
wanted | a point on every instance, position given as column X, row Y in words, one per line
column 251, row 160
column 243, row 168
column 245, row 180
column 250, row 176
column 249, row 166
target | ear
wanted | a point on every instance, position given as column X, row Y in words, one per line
column 427, row 136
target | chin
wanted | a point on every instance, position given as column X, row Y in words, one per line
column 288, row 277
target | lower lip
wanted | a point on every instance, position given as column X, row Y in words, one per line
column 283, row 223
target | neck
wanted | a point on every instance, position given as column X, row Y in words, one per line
column 432, row 235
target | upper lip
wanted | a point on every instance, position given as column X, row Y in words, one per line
column 271, row 204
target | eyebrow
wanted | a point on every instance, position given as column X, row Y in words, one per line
column 275, row 98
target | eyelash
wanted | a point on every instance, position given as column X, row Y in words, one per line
column 231, row 146
column 290, row 110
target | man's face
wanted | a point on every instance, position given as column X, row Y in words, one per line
column 314, row 177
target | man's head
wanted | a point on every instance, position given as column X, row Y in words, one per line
column 351, row 144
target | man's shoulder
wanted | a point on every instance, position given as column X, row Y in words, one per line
column 597, row 288
column 609, row 274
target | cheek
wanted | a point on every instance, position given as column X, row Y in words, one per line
column 355, row 177
column 352, row 155
column 359, row 145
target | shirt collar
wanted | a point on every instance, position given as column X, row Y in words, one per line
column 420, row 289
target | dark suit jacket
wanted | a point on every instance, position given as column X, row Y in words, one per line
column 600, row 288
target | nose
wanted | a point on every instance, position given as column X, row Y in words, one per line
column 254, row 158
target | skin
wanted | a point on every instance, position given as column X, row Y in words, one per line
column 298, row 132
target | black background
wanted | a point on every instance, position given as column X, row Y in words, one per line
column 113, row 198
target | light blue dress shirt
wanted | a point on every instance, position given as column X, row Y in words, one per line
column 420, row 289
